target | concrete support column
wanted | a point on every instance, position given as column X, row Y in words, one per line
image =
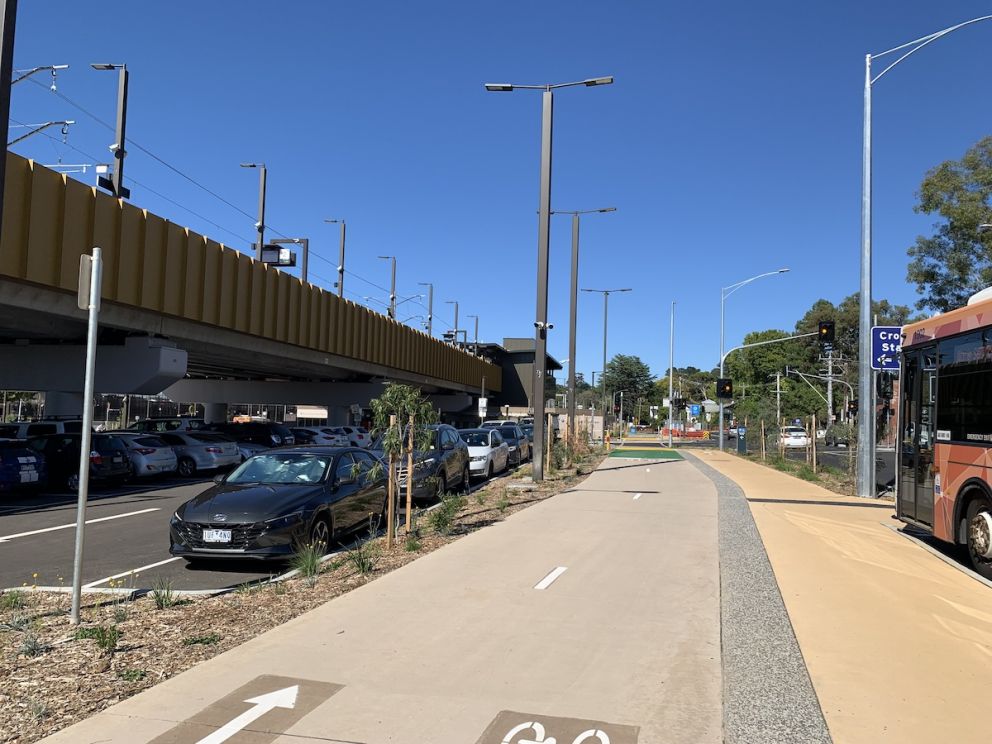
column 58, row 403
column 215, row 413
column 338, row 415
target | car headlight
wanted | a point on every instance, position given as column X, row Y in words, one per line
column 479, row 458
column 285, row 521
column 426, row 463
column 176, row 517
column 513, row 448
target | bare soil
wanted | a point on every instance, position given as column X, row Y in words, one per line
column 52, row 675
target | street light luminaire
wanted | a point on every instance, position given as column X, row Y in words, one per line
column 599, row 81
column 499, row 87
column 104, row 66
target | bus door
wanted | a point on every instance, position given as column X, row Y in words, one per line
column 917, row 434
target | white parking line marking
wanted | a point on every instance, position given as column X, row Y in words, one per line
column 132, row 571
column 637, row 496
column 5, row 538
column 550, row 578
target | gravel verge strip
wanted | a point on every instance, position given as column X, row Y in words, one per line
column 768, row 697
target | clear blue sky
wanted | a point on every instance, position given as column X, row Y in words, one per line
column 730, row 144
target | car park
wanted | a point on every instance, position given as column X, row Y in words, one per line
column 321, row 435
column 443, row 465
column 519, row 445
column 488, row 453
column 197, row 451
column 149, row 454
column 268, row 434
column 279, row 501
column 108, row 458
column 793, row 436
column 21, row 466
column 165, row 423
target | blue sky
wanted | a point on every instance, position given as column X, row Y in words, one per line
column 730, row 144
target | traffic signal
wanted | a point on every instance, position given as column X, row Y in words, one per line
column 724, row 388
column 883, row 386
column 852, row 407
column 825, row 332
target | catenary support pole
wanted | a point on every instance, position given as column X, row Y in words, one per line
column 543, row 249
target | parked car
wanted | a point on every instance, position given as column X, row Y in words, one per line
column 321, row 435
column 249, row 449
column 793, row 436
column 357, row 436
column 496, row 423
column 166, row 423
column 268, row 434
column 528, row 430
column 201, row 450
column 21, row 466
column 488, row 453
column 517, row 441
column 108, row 458
column 278, row 501
column 28, row 429
column 149, row 454
column 443, row 465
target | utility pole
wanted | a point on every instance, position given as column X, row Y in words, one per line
column 430, row 307
column 8, row 16
column 778, row 399
column 260, row 224
column 340, row 258
column 671, row 374
column 830, row 387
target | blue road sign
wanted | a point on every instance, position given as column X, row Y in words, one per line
column 886, row 342
column 694, row 409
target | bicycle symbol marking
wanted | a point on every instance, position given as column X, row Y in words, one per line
column 592, row 736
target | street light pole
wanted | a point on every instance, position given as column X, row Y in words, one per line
column 455, row 330
column 671, row 374
column 866, row 413
column 430, row 307
column 606, row 314
column 260, row 225
column 340, row 258
column 8, row 18
column 725, row 292
column 115, row 184
column 541, row 326
column 573, row 312
column 475, row 345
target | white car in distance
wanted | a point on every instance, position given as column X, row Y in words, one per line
column 488, row 452
column 794, row 436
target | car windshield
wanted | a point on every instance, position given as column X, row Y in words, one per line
column 527, row 429
column 508, row 433
column 8, row 432
column 476, row 438
column 794, row 431
column 283, row 467
column 208, row 438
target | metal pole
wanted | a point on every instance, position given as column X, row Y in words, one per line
column 866, row 438
column 305, row 242
column 392, row 291
column 543, row 249
column 117, row 177
column 261, row 211
column 778, row 399
column 830, row 387
column 723, row 298
column 456, row 322
column 602, row 372
column 573, row 312
column 430, row 309
column 621, row 415
column 475, row 344
column 341, row 263
column 8, row 17
column 671, row 374
column 86, row 436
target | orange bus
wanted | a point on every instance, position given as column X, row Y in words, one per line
column 944, row 471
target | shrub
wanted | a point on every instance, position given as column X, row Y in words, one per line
column 442, row 519
column 132, row 675
column 806, row 473
column 13, row 599
column 163, row 594
column 203, row 640
column 106, row 637
column 412, row 543
column 307, row 562
column 31, row 646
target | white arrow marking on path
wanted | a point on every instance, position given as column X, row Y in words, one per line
column 5, row 538
column 285, row 698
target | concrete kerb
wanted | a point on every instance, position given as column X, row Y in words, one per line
column 768, row 697
column 933, row 551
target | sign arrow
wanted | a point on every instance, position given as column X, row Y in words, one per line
column 284, row 698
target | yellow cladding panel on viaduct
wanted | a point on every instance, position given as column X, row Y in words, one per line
column 49, row 220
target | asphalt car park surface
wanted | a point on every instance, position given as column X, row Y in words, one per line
column 127, row 531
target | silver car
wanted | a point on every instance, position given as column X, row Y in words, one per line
column 201, row 450
column 148, row 453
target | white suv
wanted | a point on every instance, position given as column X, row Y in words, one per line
column 794, row 436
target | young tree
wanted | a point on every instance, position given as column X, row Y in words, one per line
column 956, row 261
column 630, row 374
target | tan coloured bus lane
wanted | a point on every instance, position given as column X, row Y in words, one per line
column 897, row 642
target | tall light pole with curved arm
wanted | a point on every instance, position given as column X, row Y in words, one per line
column 606, row 314
column 725, row 292
column 866, row 415
column 543, row 248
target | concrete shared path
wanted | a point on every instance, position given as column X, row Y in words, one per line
column 661, row 601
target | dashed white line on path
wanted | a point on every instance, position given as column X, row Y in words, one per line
column 132, row 571
column 5, row 538
column 550, row 578
column 636, row 497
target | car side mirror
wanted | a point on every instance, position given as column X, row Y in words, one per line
column 448, row 446
column 220, row 478
column 346, row 481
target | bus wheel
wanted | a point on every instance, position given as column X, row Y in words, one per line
column 980, row 536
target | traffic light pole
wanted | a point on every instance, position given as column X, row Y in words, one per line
column 724, row 356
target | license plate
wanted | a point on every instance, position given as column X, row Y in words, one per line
column 118, row 459
column 27, row 460
column 217, row 536
column 28, row 476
